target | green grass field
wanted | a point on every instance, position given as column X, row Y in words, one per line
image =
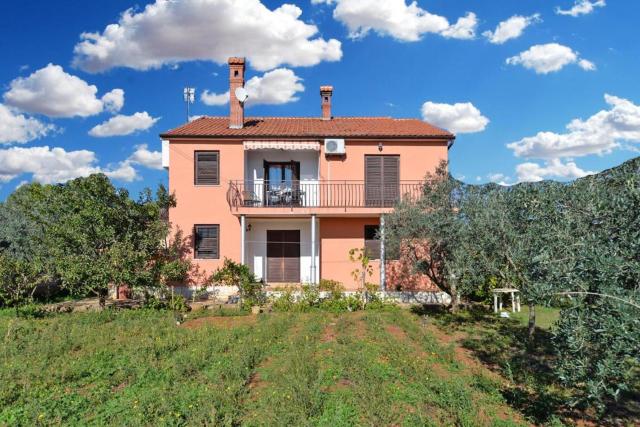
column 545, row 316
column 139, row 368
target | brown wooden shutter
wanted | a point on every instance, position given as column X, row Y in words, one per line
column 373, row 180
column 390, row 180
column 382, row 180
column 283, row 256
column 207, row 168
column 207, row 241
column 291, row 256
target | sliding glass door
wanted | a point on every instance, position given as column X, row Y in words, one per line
column 282, row 183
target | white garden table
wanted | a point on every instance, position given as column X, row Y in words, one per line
column 497, row 299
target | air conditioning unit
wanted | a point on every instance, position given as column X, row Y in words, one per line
column 334, row 147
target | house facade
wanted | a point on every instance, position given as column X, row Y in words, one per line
column 290, row 196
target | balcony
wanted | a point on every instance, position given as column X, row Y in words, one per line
column 320, row 194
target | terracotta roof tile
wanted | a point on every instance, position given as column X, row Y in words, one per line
column 364, row 127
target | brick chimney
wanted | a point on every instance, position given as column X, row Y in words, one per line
column 325, row 95
column 236, row 80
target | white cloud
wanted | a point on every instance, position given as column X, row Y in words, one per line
column 150, row 159
column 54, row 165
column 599, row 134
column 279, row 86
column 464, row 28
column 461, row 117
column 217, row 29
column 511, row 28
column 124, row 125
column 586, row 65
column 499, row 178
column 581, row 7
column 496, row 177
column 210, row 98
column 113, row 101
column 548, row 58
column 396, row 18
column 53, row 92
column 50, row 165
column 123, row 172
column 532, row 172
column 18, row 128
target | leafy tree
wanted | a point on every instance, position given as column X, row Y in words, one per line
column 22, row 264
column 424, row 232
column 86, row 234
column 521, row 232
column 597, row 338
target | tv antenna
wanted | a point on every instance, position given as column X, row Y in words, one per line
column 189, row 98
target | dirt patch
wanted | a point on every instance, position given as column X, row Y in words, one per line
column 329, row 333
column 341, row 384
column 119, row 387
column 254, row 381
column 220, row 321
column 462, row 355
column 359, row 326
column 397, row 332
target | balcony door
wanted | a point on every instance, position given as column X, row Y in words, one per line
column 382, row 180
column 283, row 256
column 282, row 183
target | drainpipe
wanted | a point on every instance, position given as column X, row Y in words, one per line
column 243, row 229
column 313, row 249
column 383, row 267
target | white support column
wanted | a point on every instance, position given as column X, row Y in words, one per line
column 513, row 302
column 243, row 231
column 313, row 250
column 495, row 302
column 383, row 272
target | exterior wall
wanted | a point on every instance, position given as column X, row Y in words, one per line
column 416, row 159
column 256, row 245
column 205, row 204
column 337, row 237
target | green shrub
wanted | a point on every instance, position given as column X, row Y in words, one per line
column 285, row 302
column 234, row 274
column 31, row 311
column 310, row 296
column 328, row 285
column 175, row 303
column 343, row 303
column 178, row 303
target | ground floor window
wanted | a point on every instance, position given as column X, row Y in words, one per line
column 207, row 241
column 371, row 241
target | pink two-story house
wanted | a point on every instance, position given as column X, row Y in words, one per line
column 290, row 196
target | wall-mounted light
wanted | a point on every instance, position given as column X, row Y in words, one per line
column 380, row 146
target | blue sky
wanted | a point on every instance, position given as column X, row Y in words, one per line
column 382, row 57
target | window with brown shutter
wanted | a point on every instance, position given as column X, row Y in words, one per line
column 371, row 241
column 382, row 180
column 207, row 241
column 207, row 167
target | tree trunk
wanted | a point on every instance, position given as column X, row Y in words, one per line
column 532, row 321
column 454, row 297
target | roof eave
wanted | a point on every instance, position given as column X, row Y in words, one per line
column 430, row 137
